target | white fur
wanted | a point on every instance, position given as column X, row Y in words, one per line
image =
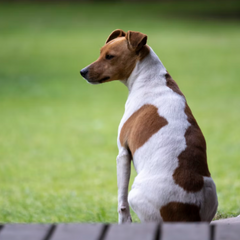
column 157, row 159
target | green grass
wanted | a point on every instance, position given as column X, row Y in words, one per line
column 58, row 133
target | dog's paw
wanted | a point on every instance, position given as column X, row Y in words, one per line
column 124, row 215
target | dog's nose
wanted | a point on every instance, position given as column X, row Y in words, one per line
column 84, row 72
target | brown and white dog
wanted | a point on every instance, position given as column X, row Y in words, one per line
column 159, row 133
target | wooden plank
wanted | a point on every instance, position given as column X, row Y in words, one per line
column 134, row 231
column 227, row 232
column 185, row 231
column 233, row 220
column 74, row 231
column 24, row 231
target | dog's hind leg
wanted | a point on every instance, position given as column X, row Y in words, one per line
column 145, row 210
column 210, row 201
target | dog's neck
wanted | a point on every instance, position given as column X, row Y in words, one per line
column 147, row 72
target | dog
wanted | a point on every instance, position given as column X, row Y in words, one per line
column 158, row 133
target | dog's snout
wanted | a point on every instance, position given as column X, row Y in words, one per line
column 84, row 72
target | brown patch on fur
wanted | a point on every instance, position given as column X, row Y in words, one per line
column 193, row 160
column 144, row 52
column 180, row 212
column 172, row 84
column 140, row 127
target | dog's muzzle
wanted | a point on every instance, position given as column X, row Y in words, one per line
column 84, row 72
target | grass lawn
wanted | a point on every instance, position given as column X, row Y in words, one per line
column 58, row 133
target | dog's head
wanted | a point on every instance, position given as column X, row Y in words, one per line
column 118, row 57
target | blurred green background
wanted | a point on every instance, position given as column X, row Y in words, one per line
column 58, row 133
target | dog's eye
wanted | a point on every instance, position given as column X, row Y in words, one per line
column 108, row 57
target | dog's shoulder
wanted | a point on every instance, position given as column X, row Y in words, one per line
column 140, row 126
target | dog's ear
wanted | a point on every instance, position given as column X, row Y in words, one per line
column 136, row 40
column 116, row 33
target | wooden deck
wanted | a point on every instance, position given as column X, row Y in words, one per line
column 150, row 231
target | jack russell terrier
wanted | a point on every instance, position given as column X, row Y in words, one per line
column 159, row 133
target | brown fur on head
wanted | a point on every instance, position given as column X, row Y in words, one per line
column 118, row 57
